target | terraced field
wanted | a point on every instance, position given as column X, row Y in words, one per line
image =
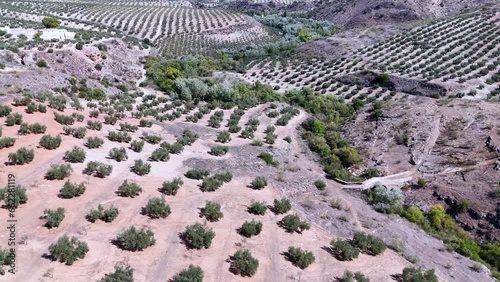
column 175, row 27
column 459, row 54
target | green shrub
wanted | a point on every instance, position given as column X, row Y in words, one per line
column 20, row 196
column 145, row 123
column 218, row 150
column 211, row 184
column 211, row 211
column 243, row 263
column 369, row 244
column 141, row 168
column 41, row 63
column 118, row 154
column 94, row 142
column 59, row 171
column 157, row 208
column 250, row 228
column 225, row 176
column 50, row 142
column 191, row 274
column 37, row 128
column 223, row 137
column 79, row 132
column 197, row 173
column 133, row 239
column 53, row 217
column 22, row 156
column 127, row 189
column 350, row 277
column 6, row 142
column 257, row 208
column 151, row 138
column 320, row 184
column 300, row 258
column 68, row 250
column 292, row 223
column 110, row 120
column 128, row 127
column 343, row 250
column 171, row 187
column 268, row 158
column 14, row 119
column 197, row 236
column 137, row 146
column 414, row 274
column 99, row 169
column 64, row 120
column 259, row 182
column 121, row 137
column 71, row 190
column 75, row 155
column 281, row 206
column 5, row 110
column 160, row 155
column 121, row 274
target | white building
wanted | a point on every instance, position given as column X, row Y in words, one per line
column 59, row 34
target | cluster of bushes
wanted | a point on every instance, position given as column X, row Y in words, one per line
column 191, row 274
column 216, row 119
column 118, row 154
column 128, row 127
column 211, row 211
column 14, row 119
column 171, row 187
column 6, row 142
column 71, row 190
column 214, row 182
column 134, row 239
column 59, row 171
column 250, row 228
column 145, row 123
column 53, row 217
column 106, row 215
column 160, row 155
column 35, row 128
column 75, row 155
column 122, row 273
column 367, row 243
column 300, row 258
column 218, row 150
column 20, row 196
column 94, row 125
column 223, row 137
column 243, row 263
column 50, row 142
column 22, row 156
column 197, row 236
column 140, row 167
column 68, row 250
column 257, row 208
column 129, row 189
column 281, row 206
column 94, row 142
column 77, row 132
column 137, row 146
column 121, row 137
column 64, row 119
column 292, row 223
column 98, row 169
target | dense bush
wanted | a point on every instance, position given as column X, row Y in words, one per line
column 157, row 208
column 413, row 274
column 137, row 146
column 369, row 244
column 160, row 155
column 351, row 277
column 59, row 171
column 211, row 211
column 68, row 250
column 13, row 119
column 259, row 182
column 243, row 263
column 191, row 274
column 49, row 142
column 210, row 184
column 171, row 187
column 64, row 120
column 121, row 137
column 197, row 173
column 292, row 223
column 257, row 208
column 141, row 168
column 94, row 142
column 218, row 150
column 268, row 158
column 133, row 239
column 98, row 169
column 75, row 155
column 5, row 110
column 118, row 154
column 129, row 189
column 145, row 123
column 343, row 250
column 281, row 206
column 70, row 190
column 22, row 156
column 250, row 228
column 128, row 127
column 107, row 215
column 223, row 137
column 151, row 138
column 6, row 142
column 320, row 184
column 121, row 274
column 53, row 217
column 300, row 258
column 197, row 236
column 19, row 196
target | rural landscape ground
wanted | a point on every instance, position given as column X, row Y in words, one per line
column 250, row 140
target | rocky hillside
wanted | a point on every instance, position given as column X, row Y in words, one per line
column 356, row 13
